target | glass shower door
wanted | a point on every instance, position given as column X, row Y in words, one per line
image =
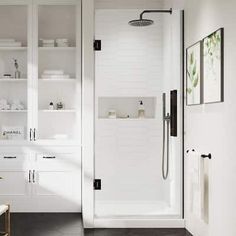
column 131, row 73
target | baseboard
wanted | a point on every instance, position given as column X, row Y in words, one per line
column 138, row 223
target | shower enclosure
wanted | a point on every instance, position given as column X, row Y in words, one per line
column 137, row 64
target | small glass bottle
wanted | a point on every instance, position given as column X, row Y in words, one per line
column 51, row 106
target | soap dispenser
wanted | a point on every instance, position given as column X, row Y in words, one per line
column 141, row 110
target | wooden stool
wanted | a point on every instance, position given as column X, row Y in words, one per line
column 5, row 209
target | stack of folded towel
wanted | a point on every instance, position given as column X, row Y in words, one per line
column 62, row 43
column 10, row 43
column 4, row 105
column 53, row 43
column 54, row 74
column 16, row 105
column 47, row 42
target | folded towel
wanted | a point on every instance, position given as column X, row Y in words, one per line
column 7, row 40
column 53, row 72
column 47, row 40
column 62, row 40
column 48, row 45
column 55, row 76
column 10, row 44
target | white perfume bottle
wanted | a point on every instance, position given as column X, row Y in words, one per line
column 141, row 110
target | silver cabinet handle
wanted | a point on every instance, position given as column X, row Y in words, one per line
column 31, row 134
column 29, row 176
column 33, row 176
column 49, row 157
column 34, row 134
column 9, row 157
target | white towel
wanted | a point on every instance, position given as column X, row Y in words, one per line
column 53, row 72
column 55, row 76
column 7, row 40
column 10, row 44
column 196, row 183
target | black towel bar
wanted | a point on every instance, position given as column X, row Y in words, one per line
column 206, row 156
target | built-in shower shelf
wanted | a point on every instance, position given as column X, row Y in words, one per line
column 127, row 119
column 126, row 106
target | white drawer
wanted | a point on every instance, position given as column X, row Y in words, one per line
column 58, row 161
column 13, row 161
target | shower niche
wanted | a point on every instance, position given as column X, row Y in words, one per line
column 126, row 107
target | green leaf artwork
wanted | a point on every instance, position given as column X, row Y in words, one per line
column 212, row 50
column 193, row 74
column 213, row 67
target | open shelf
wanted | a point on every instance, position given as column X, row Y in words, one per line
column 13, row 48
column 13, row 111
column 58, row 111
column 12, row 80
column 58, row 80
column 127, row 119
column 57, row 48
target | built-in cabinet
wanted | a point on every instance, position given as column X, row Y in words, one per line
column 40, row 105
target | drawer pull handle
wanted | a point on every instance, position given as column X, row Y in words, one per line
column 9, row 157
column 49, row 157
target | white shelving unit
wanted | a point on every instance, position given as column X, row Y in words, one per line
column 13, row 48
column 33, row 176
column 57, row 48
column 12, row 80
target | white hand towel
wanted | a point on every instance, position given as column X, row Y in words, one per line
column 196, row 183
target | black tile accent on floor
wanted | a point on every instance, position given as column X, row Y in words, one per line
column 70, row 224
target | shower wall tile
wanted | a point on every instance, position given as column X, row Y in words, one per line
column 130, row 63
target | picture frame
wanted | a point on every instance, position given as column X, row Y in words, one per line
column 194, row 74
column 213, row 67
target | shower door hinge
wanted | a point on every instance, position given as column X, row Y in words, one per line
column 97, row 184
column 97, row 45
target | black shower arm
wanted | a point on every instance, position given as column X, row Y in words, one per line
column 155, row 11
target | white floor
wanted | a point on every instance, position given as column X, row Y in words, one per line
column 159, row 210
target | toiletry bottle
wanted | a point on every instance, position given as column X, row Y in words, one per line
column 51, row 107
column 141, row 110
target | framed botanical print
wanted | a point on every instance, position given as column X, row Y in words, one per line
column 213, row 71
column 193, row 74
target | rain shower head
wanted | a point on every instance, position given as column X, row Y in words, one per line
column 141, row 22
column 146, row 22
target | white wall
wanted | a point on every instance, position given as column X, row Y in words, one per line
column 128, row 4
column 211, row 128
column 129, row 65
